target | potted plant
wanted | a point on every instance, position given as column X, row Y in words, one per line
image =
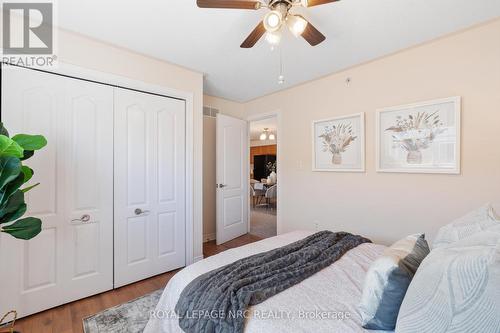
column 14, row 174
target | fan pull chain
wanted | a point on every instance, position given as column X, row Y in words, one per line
column 281, row 77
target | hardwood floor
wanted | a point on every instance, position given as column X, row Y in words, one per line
column 67, row 318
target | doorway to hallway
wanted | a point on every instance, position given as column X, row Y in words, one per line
column 263, row 177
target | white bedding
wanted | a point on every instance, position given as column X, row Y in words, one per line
column 332, row 293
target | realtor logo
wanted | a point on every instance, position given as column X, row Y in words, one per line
column 29, row 38
column 28, row 28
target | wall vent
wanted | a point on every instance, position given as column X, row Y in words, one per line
column 210, row 111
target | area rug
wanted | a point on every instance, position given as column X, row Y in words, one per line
column 130, row 317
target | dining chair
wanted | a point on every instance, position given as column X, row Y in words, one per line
column 271, row 194
column 256, row 195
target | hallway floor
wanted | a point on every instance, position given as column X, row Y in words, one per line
column 263, row 222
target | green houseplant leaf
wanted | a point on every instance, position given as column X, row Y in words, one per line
column 12, row 176
column 12, row 203
column 11, row 187
column 30, row 142
column 26, row 228
column 27, row 154
column 27, row 173
column 14, row 215
column 10, row 167
column 29, row 188
column 3, row 130
column 9, row 147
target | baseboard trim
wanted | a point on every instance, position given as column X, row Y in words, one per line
column 209, row 237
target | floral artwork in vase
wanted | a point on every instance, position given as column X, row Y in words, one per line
column 338, row 144
column 421, row 138
column 336, row 139
column 415, row 133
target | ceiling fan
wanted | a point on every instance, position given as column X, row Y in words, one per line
column 278, row 16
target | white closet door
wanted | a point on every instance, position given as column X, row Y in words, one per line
column 149, row 185
column 67, row 260
column 32, row 270
column 88, row 171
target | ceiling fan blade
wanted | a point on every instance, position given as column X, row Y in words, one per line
column 311, row 3
column 254, row 36
column 311, row 34
column 229, row 4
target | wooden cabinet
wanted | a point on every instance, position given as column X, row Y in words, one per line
column 262, row 150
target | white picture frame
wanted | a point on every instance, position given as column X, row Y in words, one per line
column 431, row 147
column 352, row 156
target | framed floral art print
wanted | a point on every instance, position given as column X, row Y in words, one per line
column 339, row 144
column 420, row 138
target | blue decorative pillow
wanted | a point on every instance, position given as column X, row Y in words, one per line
column 387, row 281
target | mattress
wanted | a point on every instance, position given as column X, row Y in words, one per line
column 325, row 302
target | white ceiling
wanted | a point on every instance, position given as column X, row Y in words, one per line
column 257, row 127
column 207, row 40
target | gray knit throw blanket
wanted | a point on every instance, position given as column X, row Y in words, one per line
column 216, row 301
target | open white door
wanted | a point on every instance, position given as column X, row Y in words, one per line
column 232, row 178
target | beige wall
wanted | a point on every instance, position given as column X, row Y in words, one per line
column 91, row 54
column 229, row 108
column 209, row 180
column 386, row 206
column 225, row 106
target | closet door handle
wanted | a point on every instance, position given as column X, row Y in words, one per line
column 139, row 211
column 85, row 218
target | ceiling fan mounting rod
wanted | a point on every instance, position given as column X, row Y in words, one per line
column 274, row 4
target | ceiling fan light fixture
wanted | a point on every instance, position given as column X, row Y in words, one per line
column 273, row 38
column 273, row 21
column 272, row 137
column 296, row 25
column 278, row 14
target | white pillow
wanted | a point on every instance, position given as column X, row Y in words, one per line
column 490, row 237
column 476, row 221
column 456, row 289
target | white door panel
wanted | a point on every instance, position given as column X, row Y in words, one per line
column 88, row 158
column 65, row 261
column 232, row 177
column 30, row 104
column 149, row 185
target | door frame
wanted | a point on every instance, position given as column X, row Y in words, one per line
column 80, row 73
column 261, row 116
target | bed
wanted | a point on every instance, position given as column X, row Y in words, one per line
column 326, row 302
